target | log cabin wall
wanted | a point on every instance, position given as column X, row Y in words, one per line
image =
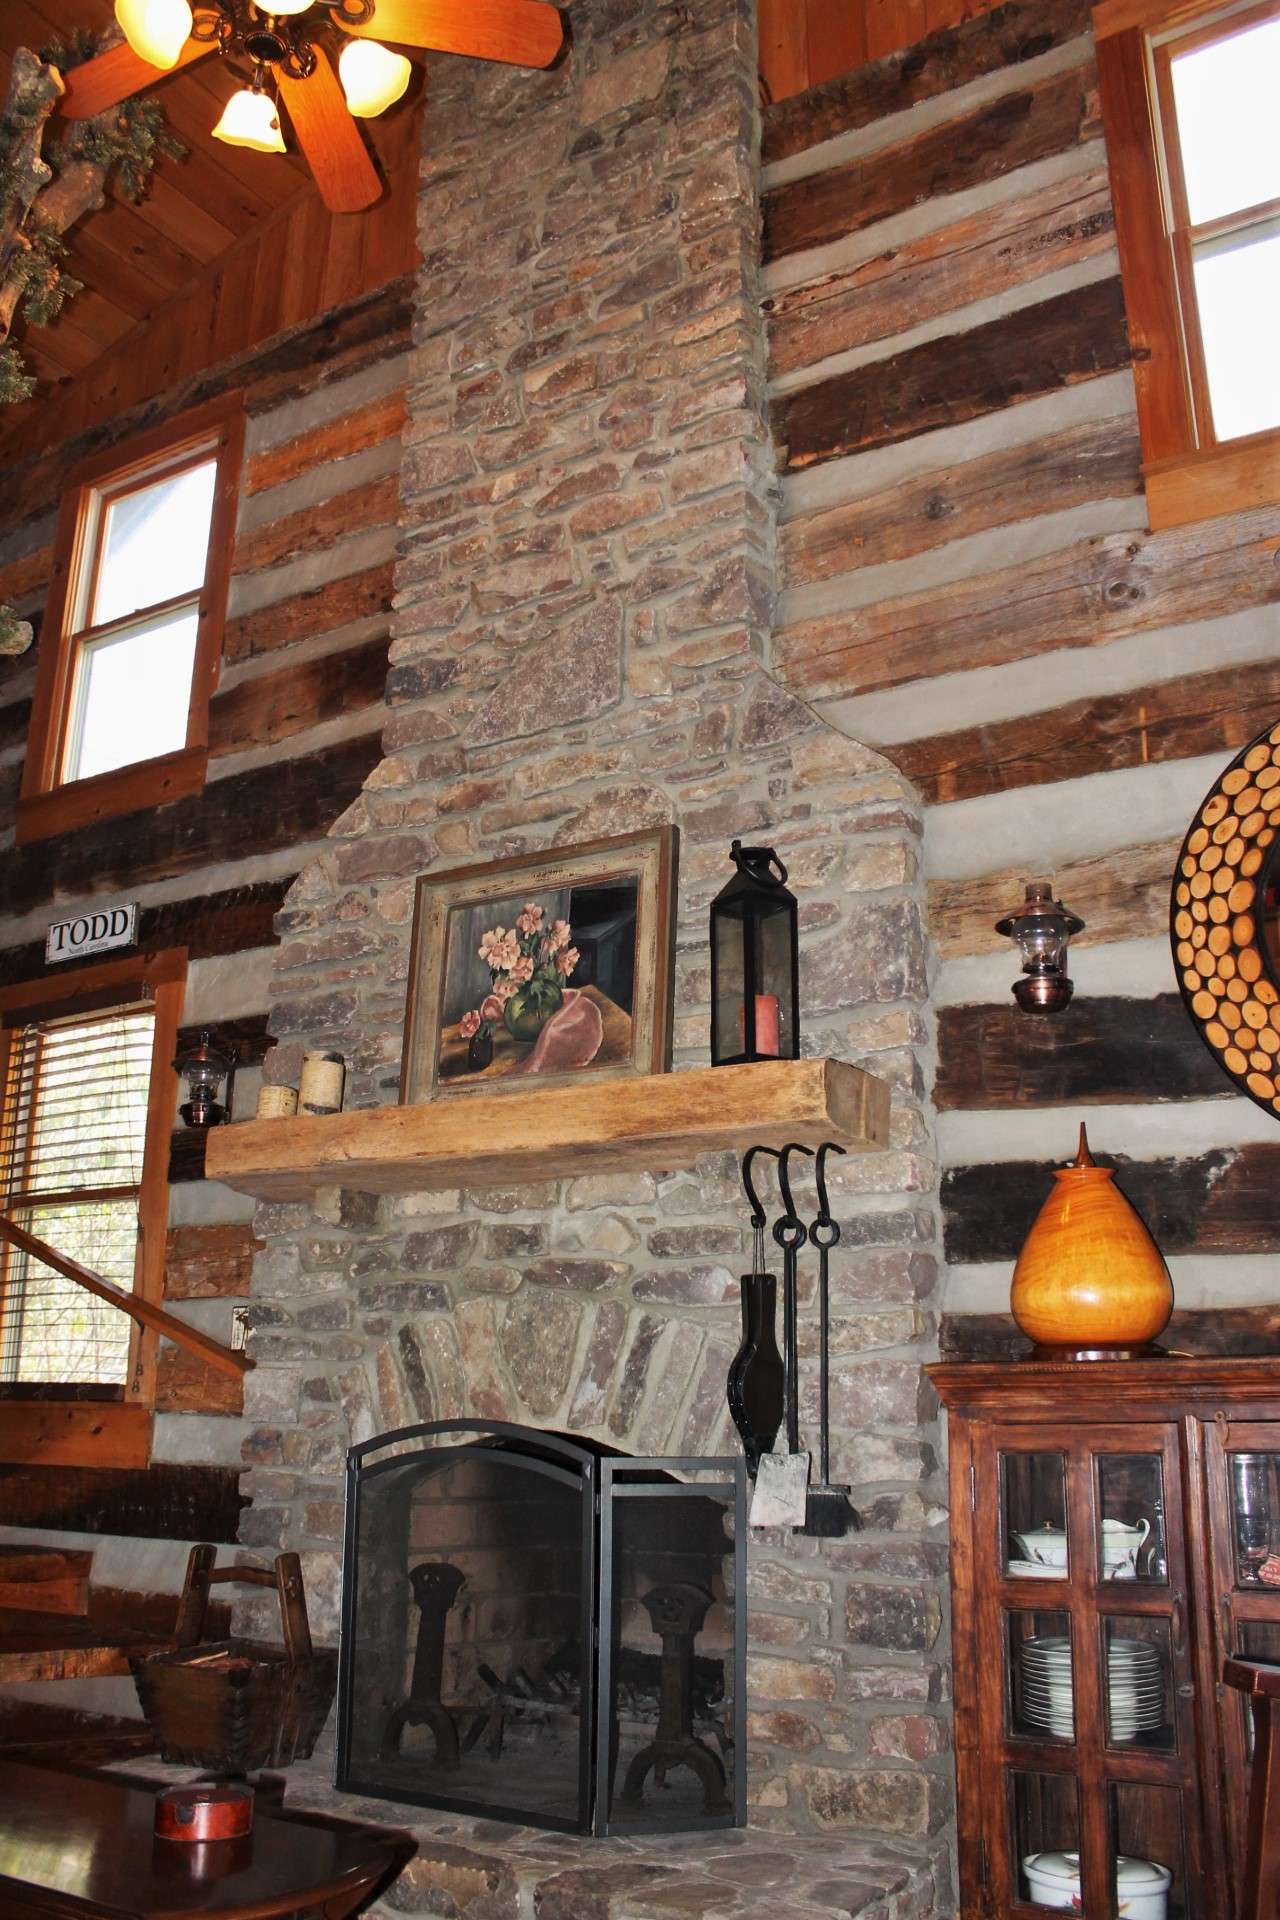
column 295, row 725
column 969, row 585
column 805, row 42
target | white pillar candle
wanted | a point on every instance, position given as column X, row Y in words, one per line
column 320, row 1089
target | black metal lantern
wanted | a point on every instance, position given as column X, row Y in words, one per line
column 204, row 1068
column 755, row 963
column 1041, row 931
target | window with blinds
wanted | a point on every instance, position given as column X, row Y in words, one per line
column 72, row 1141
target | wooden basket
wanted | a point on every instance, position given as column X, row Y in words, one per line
column 233, row 1706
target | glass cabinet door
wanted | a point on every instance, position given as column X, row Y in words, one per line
column 1082, row 1596
column 1243, row 1461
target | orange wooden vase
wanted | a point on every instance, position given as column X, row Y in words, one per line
column 1089, row 1275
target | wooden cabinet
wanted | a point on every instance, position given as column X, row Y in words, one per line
column 1115, row 1536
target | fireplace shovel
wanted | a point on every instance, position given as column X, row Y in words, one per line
column 782, row 1480
column 828, row 1512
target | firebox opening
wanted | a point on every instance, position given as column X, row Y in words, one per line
column 541, row 1629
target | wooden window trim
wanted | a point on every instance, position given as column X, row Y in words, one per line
column 48, row 805
column 1188, row 475
column 74, row 1431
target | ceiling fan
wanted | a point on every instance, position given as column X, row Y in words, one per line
column 284, row 42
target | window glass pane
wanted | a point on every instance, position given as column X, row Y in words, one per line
column 1045, row 1820
column 1130, row 1543
column 1255, row 1518
column 77, row 1107
column 1225, row 99
column 1147, row 1852
column 155, row 542
column 132, row 694
column 1035, row 1515
column 51, row 1330
column 1139, row 1681
column 1041, row 1691
column 1238, row 295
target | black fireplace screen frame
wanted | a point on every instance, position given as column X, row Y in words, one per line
column 604, row 1483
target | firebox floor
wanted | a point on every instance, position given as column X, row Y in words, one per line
column 476, row 1869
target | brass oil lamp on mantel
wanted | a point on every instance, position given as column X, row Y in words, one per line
column 1090, row 1282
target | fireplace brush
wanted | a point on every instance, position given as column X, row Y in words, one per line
column 828, row 1511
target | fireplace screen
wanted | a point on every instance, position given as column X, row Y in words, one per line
column 534, row 1629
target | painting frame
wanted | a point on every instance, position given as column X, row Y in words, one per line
column 442, row 902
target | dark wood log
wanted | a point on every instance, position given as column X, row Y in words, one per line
column 312, row 529
column 1102, row 1050
column 936, row 273
column 186, row 1154
column 1222, row 1201
column 1037, row 350
column 15, row 719
column 990, row 43
column 1098, row 461
column 209, row 1262
column 1203, row 713
column 234, row 921
column 278, row 806
column 322, row 609
column 151, row 1503
column 1196, row 1330
column 984, row 144
column 244, row 1039
column 1121, row 895
column 185, row 1385
column 1085, row 595
column 276, row 705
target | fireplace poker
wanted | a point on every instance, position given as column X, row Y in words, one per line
column 783, row 1477
column 828, row 1512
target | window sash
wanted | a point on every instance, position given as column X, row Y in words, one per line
column 95, row 512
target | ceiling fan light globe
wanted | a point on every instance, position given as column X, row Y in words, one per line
column 157, row 30
column 373, row 77
column 282, row 7
column 250, row 119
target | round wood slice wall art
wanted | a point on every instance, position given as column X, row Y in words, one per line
column 1225, row 920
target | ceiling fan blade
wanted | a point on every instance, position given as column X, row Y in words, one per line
column 112, row 76
column 525, row 33
column 329, row 137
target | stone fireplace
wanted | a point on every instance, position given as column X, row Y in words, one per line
column 582, row 648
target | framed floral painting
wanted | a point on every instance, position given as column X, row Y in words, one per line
column 543, row 968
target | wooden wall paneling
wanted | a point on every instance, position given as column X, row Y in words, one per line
column 990, row 141
column 273, row 706
column 1219, row 1201
column 1103, row 1051
column 314, row 529
column 1121, row 895
column 235, row 920
column 209, row 1262
column 323, row 609
column 1196, row 1330
column 1033, row 351
column 354, row 432
column 783, row 27
column 14, row 721
column 1098, row 461
column 186, row 1154
column 184, row 1384
column 262, row 811
column 989, row 252
column 1170, row 720
column 1097, row 590
column 156, row 1503
column 242, row 1037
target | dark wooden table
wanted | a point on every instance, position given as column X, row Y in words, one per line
column 1259, row 1680
column 74, row 1845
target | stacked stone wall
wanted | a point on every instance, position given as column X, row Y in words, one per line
column 582, row 648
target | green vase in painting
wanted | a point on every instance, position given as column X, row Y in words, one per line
column 530, row 1007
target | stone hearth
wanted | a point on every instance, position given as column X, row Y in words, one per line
column 582, row 648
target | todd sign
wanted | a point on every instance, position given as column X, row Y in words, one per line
column 91, row 933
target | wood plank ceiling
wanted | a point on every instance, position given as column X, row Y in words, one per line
column 132, row 259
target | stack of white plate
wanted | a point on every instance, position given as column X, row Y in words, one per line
column 1135, row 1686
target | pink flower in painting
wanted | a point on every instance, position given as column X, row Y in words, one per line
column 502, row 992
column 469, row 1024
column 488, row 941
column 491, row 1007
column 560, row 935
column 567, row 960
column 522, row 969
column 503, row 954
column 529, row 919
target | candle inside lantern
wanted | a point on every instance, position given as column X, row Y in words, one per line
column 766, row 1025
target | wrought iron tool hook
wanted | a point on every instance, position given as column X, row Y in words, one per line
column 753, row 1199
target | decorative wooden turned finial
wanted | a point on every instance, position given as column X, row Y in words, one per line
column 1083, row 1156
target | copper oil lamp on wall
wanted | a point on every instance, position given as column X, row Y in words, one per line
column 755, row 962
column 1041, row 930
column 1090, row 1282
column 204, row 1067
